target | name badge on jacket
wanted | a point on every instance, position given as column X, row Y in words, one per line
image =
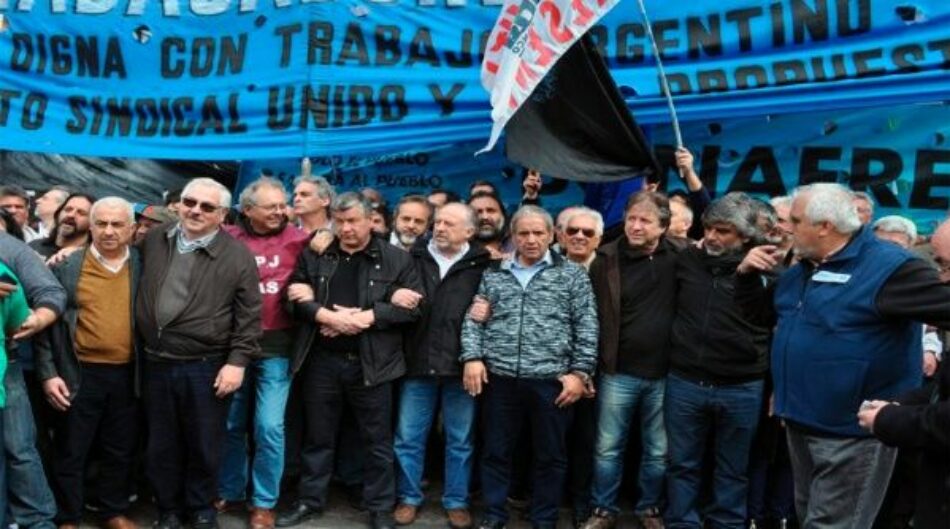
column 830, row 277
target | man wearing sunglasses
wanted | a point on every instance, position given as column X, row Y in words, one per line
column 198, row 314
column 583, row 228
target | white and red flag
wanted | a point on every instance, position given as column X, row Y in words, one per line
column 528, row 39
column 553, row 94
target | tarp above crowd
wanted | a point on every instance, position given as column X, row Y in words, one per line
column 772, row 93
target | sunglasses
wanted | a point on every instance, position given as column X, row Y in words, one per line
column 589, row 233
column 205, row 207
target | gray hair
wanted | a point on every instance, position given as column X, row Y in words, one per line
column 112, row 202
column 896, row 223
column 324, row 189
column 583, row 211
column 784, row 201
column 349, row 200
column 861, row 195
column 470, row 219
column 224, row 192
column 735, row 209
column 532, row 211
column 828, row 202
column 248, row 196
column 687, row 212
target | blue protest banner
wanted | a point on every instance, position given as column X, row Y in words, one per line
column 238, row 79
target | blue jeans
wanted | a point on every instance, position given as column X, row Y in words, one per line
column 418, row 400
column 732, row 413
column 620, row 397
column 29, row 496
column 269, row 379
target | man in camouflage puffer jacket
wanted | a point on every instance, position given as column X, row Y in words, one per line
column 540, row 345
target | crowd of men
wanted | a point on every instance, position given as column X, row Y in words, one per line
column 759, row 363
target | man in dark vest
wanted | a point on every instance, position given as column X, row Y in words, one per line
column 847, row 331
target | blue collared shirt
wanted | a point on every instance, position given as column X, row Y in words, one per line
column 524, row 273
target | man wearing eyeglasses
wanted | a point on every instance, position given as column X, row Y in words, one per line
column 198, row 314
column 276, row 244
column 634, row 279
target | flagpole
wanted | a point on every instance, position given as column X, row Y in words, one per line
column 664, row 82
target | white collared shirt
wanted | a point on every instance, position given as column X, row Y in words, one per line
column 445, row 263
column 102, row 260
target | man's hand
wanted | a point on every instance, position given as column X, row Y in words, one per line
column 364, row 318
column 228, row 381
column 474, row 376
column 572, row 390
column 300, row 293
column 759, row 259
column 321, row 241
column 57, row 394
column 6, row 289
column 868, row 414
column 930, row 363
column 532, row 185
column 480, row 309
column 405, row 298
column 684, row 164
column 38, row 320
column 62, row 255
column 342, row 320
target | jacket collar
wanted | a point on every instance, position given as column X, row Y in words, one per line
column 213, row 249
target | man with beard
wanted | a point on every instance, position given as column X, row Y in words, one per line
column 72, row 226
column 717, row 370
column 410, row 221
column 46, row 206
column 263, row 227
column 490, row 230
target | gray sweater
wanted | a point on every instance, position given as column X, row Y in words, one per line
column 40, row 286
column 542, row 331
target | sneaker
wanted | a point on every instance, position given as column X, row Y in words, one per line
column 405, row 514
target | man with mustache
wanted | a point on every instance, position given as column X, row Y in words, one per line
column 718, row 365
column 410, row 221
column 72, row 226
column 490, row 227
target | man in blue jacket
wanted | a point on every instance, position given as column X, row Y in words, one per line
column 847, row 331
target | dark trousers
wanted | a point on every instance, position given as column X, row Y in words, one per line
column 507, row 403
column 102, row 414
column 186, row 427
column 580, row 440
column 329, row 381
